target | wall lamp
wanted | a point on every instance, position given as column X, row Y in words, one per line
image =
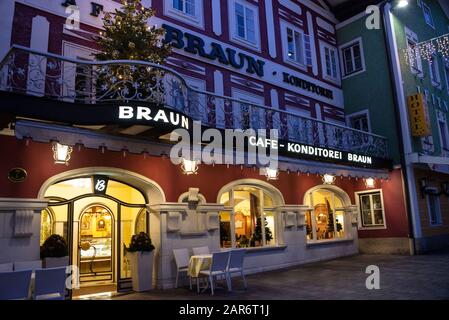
column 61, row 153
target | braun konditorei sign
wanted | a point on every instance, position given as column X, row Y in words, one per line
column 306, row 85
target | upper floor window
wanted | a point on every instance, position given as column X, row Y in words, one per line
column 360, row 121
column 329, row 58
column 188, row 11
column 414, row 57
column 427, row 14
column 444, row 135
column 446, row 73
column 244, row 19
column 293, row 40
column 185, row 6
column 434, row 71
column 352, row 58
column 294, row 46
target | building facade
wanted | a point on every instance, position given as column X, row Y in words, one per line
column 235, row 65
column 421, row 156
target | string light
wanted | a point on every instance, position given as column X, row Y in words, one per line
column 426, row 50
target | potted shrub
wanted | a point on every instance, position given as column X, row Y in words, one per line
column 54, row 252
column 140, row 254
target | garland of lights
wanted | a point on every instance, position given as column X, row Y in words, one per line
column 427, row 50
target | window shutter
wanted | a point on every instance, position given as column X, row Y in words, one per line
column 308, row 50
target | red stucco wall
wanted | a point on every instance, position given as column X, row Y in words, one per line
column 37, row 160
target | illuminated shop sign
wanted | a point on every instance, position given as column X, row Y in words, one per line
column 100, row 184
column 303, row 151
column 156, row 115
column 306, row 85
column 196, row 45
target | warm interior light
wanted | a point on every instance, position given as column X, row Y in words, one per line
column 370, row 182
column 83, row 183
column 189, row 166
column 402, row 3
column 328, row 179
column 271, row 174
column 61, row 153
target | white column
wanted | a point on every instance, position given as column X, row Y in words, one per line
column 270, row 28
column 216, row 17
column 7, row 10
column 219, row 105
column 40, row 29
column 312, row 43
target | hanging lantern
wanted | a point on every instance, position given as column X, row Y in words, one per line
column 328, row 179
column 370, row 183
column 61, row 153
column 272, row 174
column 189, row 166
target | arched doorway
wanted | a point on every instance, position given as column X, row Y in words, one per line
column 327, row 217
column 97, row 210
column 250, row 218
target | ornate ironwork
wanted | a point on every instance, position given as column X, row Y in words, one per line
column 31, row 72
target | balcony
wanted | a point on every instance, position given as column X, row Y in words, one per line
column 29, row 73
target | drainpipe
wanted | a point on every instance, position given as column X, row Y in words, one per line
column 402, row 127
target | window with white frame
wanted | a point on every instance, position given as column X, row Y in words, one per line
column 433, row 206
column 446, row 74
column 185, row 6
column 434, row 71
column 326, row 219
column 427, row 14
column 295, row 50
column 371, row 208
column 293, row 41
column 329, row 57
column 443, row 130
column 427, row 144
column 188, row 11
column 244, row 22
column 360, row 121
column 250, row 218
column 414, row 56
column 352, row 58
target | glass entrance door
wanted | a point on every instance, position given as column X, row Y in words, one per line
column 96, row 243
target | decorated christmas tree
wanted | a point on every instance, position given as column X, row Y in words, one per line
column 257, row 235
column 127, row 35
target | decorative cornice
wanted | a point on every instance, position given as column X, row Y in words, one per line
column 22, row 203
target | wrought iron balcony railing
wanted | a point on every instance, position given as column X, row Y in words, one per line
column 31, row 72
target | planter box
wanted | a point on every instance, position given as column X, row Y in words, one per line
column 141, row 270
column 56, row 262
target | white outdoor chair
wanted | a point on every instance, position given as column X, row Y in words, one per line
column 201, row 250
column 50, row 284
column 217, row 268
column 236, row 266
column 182, row 259
column 15, row 285
column 27, row 265
column 6, row 267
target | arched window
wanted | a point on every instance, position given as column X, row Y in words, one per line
column 249, row 220
column 326, row 219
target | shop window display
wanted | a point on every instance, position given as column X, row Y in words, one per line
column 326, row 218
column 250, row 220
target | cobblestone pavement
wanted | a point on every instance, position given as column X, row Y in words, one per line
column 401, row 277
